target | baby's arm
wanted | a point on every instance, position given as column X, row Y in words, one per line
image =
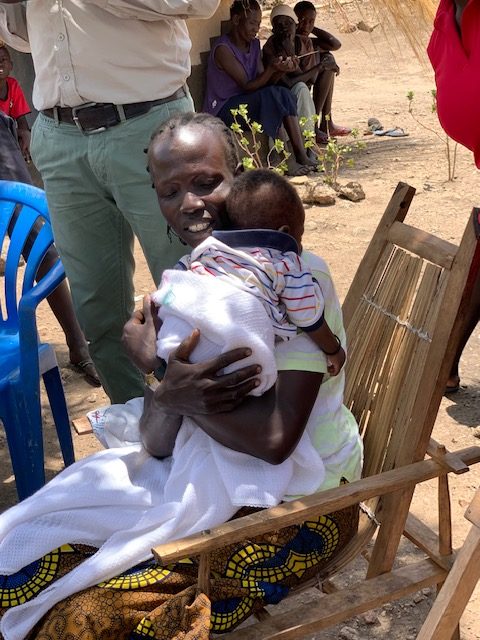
column 331, row 346
column 304, row 302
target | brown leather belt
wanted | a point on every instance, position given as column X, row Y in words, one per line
column 94, row 117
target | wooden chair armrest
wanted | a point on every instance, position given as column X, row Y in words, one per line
column 453, row 463
column 308, row 507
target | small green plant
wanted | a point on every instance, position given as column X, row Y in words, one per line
column 337, row 154
column 251, row 147
column 450, row 153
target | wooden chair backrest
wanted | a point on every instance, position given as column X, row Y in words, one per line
column 402, row 316
column 399, row 315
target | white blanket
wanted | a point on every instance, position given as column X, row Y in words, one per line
column 227, row 317
column 125, row 502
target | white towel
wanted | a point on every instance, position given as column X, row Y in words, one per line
column 226, row 316
column 125, row 502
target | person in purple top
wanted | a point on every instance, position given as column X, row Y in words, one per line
column 235, row 75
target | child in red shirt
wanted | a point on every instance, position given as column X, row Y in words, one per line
column 13, row 102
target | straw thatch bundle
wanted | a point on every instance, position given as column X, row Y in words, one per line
column 413, row 18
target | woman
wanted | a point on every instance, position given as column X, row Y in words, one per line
column 192, row 162
column 454, row 52
column 235, row 75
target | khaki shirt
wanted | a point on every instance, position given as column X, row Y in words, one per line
column 118, row 51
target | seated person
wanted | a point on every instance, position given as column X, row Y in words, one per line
column 235, row 75
column 93, row 525
column 324, row 43
column 311, row 69
column 257, row 258
column 13, row 102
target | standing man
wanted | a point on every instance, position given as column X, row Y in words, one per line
column 108, row 72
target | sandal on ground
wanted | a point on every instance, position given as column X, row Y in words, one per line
column 298, row 170
column 87, row 369
column 395, row 132
column 321, row 137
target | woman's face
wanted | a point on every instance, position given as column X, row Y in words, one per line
column 248, row 24
column 192, row 179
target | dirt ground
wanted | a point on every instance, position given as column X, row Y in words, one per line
column 377, row 71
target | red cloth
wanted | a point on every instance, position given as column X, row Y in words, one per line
column 15, row 105
column 456, row 61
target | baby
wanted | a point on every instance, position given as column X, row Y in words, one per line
column 259, row 256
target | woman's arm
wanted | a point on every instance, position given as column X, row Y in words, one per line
column 270, row 426
column 226, row 61
column 267, row 427
column 308, row 77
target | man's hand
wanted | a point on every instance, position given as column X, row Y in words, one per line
column 190, row 389
column 140, row 335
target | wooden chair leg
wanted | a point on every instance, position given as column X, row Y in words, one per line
column 444, row 617
column 445, row 530
column 204, row 574
column 395, row 507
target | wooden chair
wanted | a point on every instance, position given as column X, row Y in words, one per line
column 403, row 315
column 447, row 609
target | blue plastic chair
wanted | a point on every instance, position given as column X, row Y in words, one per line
column 22, row 357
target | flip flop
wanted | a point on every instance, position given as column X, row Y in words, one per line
column 321, row 137
column 396, row 132
column 90, row 375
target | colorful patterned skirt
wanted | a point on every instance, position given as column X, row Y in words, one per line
column 156, row 603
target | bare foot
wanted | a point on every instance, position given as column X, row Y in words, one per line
column 82, row 363
column 453, row 384
column 337, row 131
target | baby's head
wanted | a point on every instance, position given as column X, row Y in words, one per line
column 6, row 65
column 263, row 199
column 306, row 14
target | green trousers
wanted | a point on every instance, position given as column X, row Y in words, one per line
column 100, row 195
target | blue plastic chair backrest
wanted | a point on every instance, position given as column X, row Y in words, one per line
column 30, row 205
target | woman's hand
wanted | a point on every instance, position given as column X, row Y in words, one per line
column 190, row 389
column 285, row 65
column 140, row 335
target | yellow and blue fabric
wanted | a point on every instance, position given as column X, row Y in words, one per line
column 160, row 603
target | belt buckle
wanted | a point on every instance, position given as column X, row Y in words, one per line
column 77, row 118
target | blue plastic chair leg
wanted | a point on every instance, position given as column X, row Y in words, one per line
column 56, row 397
column 25, row 444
